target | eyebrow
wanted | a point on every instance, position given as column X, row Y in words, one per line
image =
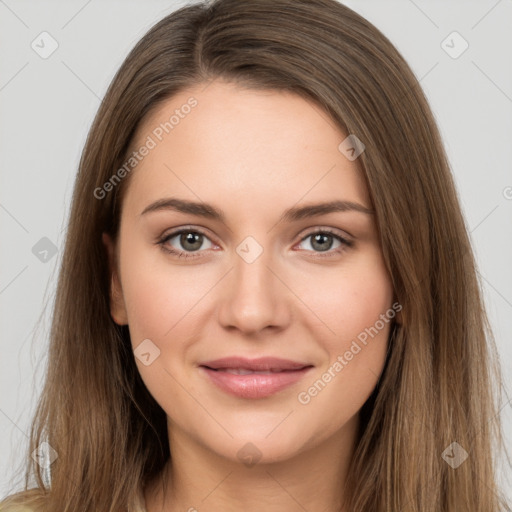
column 292, row 214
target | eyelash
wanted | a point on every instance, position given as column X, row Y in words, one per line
column 183, row 254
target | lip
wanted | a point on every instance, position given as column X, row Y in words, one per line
column 281, row 373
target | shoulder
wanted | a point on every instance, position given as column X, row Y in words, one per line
column 32, row 500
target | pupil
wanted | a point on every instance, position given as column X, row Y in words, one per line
column 191, row 238
column 322, row 246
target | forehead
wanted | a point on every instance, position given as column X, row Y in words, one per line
column 225, row 141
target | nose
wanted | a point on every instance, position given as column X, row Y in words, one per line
column 254, row 296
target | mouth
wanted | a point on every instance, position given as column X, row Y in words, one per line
column 245, row 371
column 257, row 378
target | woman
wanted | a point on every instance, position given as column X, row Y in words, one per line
column 322, row 345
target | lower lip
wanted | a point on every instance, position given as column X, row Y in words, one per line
column 254, row 385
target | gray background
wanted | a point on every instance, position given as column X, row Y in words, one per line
column 48, row 105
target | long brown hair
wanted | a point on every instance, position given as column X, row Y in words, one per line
column 441, row 383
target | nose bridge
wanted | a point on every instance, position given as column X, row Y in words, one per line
column 254, row 297
column 252, row 262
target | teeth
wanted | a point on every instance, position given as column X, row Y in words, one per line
column 242, row 371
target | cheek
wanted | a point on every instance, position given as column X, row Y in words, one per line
column 161, row 302
column 356, row 313
column 358, row 308
column 159, row 296
column 348, row 301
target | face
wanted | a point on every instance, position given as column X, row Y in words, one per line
column 251, row 281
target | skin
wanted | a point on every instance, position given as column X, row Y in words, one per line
column 252, row 154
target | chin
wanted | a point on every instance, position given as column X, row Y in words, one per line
column 256, row 446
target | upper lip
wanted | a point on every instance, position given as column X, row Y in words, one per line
column 261, row 363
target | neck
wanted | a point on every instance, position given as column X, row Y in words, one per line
column 196, row 478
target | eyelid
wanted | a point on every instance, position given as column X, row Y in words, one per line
column 347, row 237
column 346, row 241
column 188, row 228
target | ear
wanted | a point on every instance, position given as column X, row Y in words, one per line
column 117, row 305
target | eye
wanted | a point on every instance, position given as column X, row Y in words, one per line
column 322, row 242
column 190, row 240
